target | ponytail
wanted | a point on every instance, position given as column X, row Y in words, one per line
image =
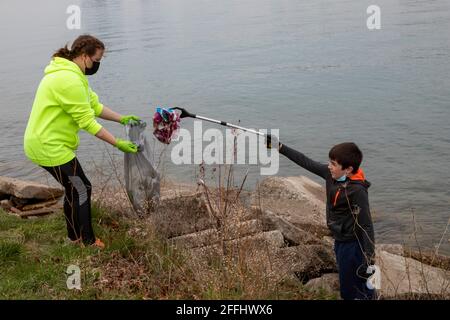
column 63, row 53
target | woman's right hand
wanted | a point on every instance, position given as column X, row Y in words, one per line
column 126, row 146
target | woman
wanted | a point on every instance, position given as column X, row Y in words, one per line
column 63, row 105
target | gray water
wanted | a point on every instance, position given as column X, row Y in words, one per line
column 310, row 68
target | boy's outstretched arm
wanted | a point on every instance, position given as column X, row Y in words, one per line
column 364, row 227
column 299, row 158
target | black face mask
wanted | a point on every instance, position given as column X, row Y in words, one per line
column 93, row 69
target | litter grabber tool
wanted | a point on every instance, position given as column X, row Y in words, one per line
column 185, row 114
column 166, row 123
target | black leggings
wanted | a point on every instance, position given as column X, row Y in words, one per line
column 77, row 200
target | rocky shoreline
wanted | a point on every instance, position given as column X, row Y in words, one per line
column 287, row 216
column 280, row 231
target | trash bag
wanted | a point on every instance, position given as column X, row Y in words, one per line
column 141, row 179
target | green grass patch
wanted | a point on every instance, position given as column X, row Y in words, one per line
column 35, row 255
column 10, row 251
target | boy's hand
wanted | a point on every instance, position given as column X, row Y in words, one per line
column 126, row 119
column 126, row 146
column 272, row 144
column 269, row 141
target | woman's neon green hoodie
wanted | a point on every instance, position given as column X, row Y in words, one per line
column 63, row 105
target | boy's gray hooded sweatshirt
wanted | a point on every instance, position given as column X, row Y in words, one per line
column 347, row 208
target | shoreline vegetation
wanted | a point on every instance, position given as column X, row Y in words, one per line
column 203, row 241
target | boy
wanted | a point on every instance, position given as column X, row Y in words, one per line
column 347, row 212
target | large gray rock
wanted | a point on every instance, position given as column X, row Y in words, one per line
column 267, row 255
column 298, row 200
column 181, row 212
column 269, row 240
column 213, row 236
column 185, row 209
column 304, row 261
column 401, row 275
column 397, row 249
column 328, row 284
column 27, row 190
column 286, row 211
column 428, row 257
column 292, row 234
column 425, row 256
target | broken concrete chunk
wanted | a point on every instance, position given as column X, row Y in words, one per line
column 28, row 189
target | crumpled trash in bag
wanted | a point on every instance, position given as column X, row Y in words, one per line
column 166, row 123
column 141, row 179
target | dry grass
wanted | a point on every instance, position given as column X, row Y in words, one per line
column 140, row 262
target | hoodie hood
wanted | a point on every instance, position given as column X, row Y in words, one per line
column 360, row 177
column 59, row 64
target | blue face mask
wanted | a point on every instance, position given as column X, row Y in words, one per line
column 342, row 179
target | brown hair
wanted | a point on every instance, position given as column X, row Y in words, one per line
column 83, row 44
column 346, row 154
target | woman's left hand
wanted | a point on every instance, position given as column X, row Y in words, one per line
column 126, row 119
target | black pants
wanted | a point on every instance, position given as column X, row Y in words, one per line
column 350, row 258
column 77, row 200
